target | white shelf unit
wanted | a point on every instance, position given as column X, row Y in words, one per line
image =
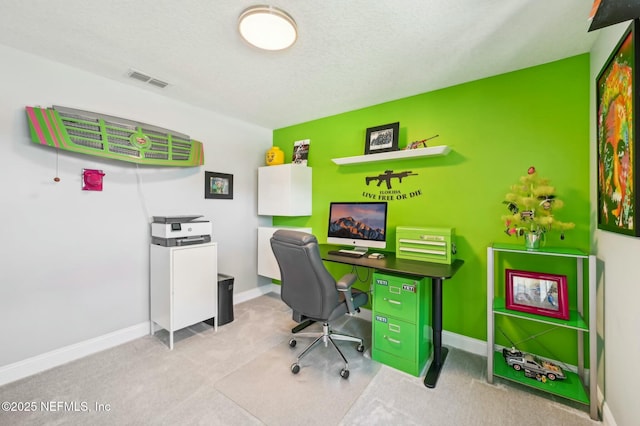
column 284, row 190
column 183, row 286
column 577, row 322
column 432, row 151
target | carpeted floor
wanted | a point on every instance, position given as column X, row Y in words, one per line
column 241, row 376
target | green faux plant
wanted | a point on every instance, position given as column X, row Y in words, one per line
column 531, row 204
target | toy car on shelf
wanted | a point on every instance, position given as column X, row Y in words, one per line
column 532, row 365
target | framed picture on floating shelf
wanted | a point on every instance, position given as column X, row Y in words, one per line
column 382, row 138
column 537, row 293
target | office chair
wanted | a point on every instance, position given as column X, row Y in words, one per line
column 312, row 293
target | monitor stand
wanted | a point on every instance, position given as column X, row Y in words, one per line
column 356, row 250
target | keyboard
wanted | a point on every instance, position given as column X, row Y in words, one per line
column 345, row 253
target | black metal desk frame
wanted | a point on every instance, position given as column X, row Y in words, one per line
column 437, row 272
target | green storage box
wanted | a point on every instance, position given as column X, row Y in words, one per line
column 426, row 244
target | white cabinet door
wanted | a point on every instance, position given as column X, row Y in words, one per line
column 284, row 190
column 195, row 285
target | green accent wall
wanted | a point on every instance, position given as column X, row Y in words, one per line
column 497, row 128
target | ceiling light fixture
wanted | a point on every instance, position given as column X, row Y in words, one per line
column 267, row 27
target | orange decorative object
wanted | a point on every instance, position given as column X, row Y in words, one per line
column 275, row 156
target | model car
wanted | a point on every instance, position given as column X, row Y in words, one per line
column 532, row 365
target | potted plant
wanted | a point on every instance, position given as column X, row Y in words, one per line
column 531, row 204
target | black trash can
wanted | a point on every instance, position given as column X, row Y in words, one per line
column 225, row 300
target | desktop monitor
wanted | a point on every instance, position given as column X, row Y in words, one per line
column 359, row 224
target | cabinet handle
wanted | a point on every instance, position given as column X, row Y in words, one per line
column 397, row 342
column 394, row 327
column 393, row 302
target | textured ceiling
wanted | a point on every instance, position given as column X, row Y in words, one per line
column 349, row 54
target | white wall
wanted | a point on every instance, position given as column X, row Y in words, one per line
column 618, row 284
column 74, row 264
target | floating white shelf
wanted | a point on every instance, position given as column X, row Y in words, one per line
column 431, row 151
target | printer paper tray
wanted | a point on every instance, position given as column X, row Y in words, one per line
column 174, row 219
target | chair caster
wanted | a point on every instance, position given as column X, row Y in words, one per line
column 360, row 348
column 292, row 343
column 295, row 369
column 344, row 373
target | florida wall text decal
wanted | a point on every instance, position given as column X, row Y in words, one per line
column 392, row 191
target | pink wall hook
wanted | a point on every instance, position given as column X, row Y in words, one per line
column 92, row 180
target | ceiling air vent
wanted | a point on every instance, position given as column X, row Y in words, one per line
column 139, row 76
column 158, row 83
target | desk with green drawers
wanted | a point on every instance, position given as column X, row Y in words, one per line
column 396, row 271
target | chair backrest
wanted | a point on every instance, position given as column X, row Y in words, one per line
column 307, row 287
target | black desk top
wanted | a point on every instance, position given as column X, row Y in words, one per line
column 392, row 264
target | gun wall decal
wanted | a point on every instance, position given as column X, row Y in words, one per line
column 387, row 176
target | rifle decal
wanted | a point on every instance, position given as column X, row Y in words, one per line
column 387, row 176
column 389, row 194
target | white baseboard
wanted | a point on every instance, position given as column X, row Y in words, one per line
column 607, row 415
column 275, row 288
column 39, row 363
column 256, row 292
column 21, row 369
column 464, row 343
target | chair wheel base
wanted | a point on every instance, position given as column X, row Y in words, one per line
column 360, row 348
column 295, row 368
column 344, row 373
column 292, row 343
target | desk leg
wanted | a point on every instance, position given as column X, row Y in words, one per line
column 439, row 353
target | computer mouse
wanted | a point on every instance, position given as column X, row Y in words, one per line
column 376, row 256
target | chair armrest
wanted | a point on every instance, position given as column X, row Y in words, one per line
column 346, row 282
column 344, row 285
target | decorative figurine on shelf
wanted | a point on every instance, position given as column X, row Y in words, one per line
column 531, row 203
column 534, row 367
column 274, row 156
column 417, row 144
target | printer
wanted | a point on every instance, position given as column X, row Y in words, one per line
column 171, row 231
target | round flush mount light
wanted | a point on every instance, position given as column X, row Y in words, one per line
column 267, row 27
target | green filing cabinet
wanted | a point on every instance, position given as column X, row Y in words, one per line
column 401, row 331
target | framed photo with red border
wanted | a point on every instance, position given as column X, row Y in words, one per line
column 537, row 293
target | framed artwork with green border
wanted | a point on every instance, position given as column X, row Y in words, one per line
column 616, row 96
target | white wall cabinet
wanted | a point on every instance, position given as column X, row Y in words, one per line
column 184, row 286
column 284, row 190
